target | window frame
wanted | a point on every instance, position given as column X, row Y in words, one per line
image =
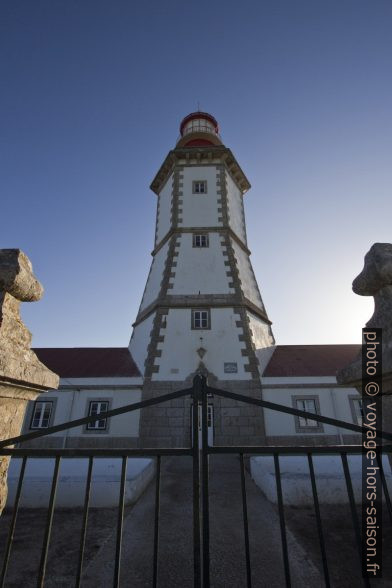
column 208, row 312
column 201, row 235
column 52, row 402
column 195, row 183
column 88, row 428
column 352, row 400
column 301, row 428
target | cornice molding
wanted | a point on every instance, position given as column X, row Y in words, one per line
column 172, row 301
column 201, row 155
column 179, row 230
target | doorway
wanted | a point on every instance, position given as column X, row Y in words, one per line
column 210, row 424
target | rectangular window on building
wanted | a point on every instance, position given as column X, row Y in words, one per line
column 356, row 409
column 95, row 408
column 200, row 240
column 200, row 319
column 42, row 413
column 199, row 187
column 307, row 404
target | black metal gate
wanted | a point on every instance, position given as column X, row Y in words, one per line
column 200, row 393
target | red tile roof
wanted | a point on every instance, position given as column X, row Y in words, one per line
column 309, row 360
column 89, row 362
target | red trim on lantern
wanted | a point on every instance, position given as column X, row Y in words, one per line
column 195, row 115
column 198, row 143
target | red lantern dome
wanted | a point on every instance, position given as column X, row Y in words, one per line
column 199, row 129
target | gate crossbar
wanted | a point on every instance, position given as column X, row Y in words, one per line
column 199, row 452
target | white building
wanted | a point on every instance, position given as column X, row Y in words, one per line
column 92, row 380
column 201, row 312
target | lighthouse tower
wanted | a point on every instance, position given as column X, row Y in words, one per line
column 201, row 309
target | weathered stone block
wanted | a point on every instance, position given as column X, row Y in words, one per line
column 176, row 422
column 231, row 412
column 175, row 412
column 250, row 431
column 22, row 376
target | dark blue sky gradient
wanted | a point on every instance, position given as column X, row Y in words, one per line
column 92, row 93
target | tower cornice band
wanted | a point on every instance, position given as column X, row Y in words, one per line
column 199, row 156
column 201, row 300
column 215, row 229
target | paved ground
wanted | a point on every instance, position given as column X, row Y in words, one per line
column 176, row 556
column 227, row 542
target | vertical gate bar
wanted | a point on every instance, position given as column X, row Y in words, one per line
column 205, row 491
column 13, row 522
column 48, row 530
column 354, row 514
column 245, row 517
column 282, row 521
column 196, row 490
column 120, row 520
column 156, row 522
column 319, row 523
column 384, row 485
column 84, row 523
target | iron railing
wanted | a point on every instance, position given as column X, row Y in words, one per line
column 200, row 393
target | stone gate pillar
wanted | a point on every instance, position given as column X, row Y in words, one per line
column 376, row 280
column 22, row 376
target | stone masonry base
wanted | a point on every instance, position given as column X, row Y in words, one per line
column 169, row 424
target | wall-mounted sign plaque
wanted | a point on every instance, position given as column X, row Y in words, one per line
column 230, row 367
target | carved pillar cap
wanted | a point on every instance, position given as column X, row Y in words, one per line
column 377, row 271
column 16, row 276
column 375, row 280
column 20, row 368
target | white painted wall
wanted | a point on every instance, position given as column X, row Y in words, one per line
column 181, row 342
column 236, row 210
column 164, row 214
column 62, row 409
column 140, row 340
column 296, row 484
column 123, row 425
column 264, row 355
column 200, row 210
column 106, row 476
column 72, row 404
column 201, row 268
column 334, row 403
column 260, row 331
column 249, row 285
column 154, row 279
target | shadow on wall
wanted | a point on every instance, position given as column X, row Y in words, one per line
column 296, row 483
column 105, row 483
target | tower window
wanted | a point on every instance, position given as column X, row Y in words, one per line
column 201, row 319
column 42, row 412
column 200, row 240
column 199, row 187
column 95, row 408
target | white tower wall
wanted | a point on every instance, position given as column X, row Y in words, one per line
column 153, row 286
column 246, row 275
column 235, row 209
column 164, row 212
column 201, row 270
column 200, row 193
column 140, row 341
column 199, row 210
column 221, row 342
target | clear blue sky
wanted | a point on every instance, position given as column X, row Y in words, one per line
column 92, row 93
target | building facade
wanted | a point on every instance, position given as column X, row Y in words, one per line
column 201, row 312
column 201, row 309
